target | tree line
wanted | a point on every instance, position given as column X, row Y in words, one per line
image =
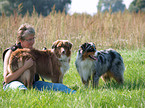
column 44, row 7
column 118, row 5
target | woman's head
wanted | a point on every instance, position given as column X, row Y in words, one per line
column 25, row 35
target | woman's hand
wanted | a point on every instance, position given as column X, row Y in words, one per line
column 28, row 63
column 13, row 76
column 8, row 77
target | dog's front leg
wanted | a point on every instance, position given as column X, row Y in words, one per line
column 95, row 80
column 61, row 79
column 85, row 82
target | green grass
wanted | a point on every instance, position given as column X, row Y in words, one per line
column 110, row 95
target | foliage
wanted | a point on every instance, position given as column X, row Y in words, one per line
column 114, row 5
column 137, row 5
column 108, row 95
column 43, row 7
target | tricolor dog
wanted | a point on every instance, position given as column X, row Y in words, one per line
column 105, row 63
column 62, row 49
column 49, row 63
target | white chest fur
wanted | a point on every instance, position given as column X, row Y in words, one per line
column 64, row 67
column 85, row 68
column 64, row 64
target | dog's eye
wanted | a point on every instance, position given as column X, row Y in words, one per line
column 92, row 49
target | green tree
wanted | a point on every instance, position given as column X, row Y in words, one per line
column 137, row 5
column 1, row 3
column 114, row 5
column 43, row 7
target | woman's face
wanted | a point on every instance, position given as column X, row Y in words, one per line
column 28, row 41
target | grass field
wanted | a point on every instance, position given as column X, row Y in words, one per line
column 122, row 32
column 130, row 94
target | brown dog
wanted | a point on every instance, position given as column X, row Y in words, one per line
column 62, row 49
column 50, row 64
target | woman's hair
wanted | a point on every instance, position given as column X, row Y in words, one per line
column 25, row 30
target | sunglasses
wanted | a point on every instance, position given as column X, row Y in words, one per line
column 29, row 40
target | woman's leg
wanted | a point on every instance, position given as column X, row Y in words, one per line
column 15, row 85
column 41, row 85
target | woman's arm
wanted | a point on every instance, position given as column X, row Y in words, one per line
column 8, row 77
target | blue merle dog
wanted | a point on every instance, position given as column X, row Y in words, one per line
column 105, row 63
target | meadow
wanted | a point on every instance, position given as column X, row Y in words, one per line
column 122, row 32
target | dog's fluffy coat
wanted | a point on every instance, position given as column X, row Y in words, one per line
column 92, row 63
column 50, row 64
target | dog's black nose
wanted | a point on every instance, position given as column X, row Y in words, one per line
column 63, row 52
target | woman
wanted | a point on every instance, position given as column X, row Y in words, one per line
column 26, row 39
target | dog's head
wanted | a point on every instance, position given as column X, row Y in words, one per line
column 62, row 48
column 87, row 50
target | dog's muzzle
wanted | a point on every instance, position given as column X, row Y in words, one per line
column 63, row 51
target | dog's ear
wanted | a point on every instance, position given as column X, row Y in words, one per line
column 94, row 46
column 83, row 46
column 55, row 44
column 70, row 45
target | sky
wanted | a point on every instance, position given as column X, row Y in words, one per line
column 88, row 6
